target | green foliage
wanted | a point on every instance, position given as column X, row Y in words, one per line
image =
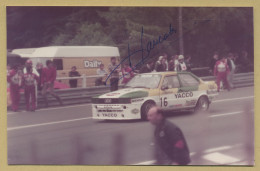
column 226, row 29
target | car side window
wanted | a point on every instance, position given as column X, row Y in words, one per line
column 188, row 81
column 171, row 82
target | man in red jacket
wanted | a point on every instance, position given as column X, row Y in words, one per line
column 47, row 79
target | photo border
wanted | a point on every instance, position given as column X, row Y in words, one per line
column 151, row 3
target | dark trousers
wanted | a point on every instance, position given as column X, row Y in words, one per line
column 114, row 84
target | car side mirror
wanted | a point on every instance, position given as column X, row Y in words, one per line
column 164, row 87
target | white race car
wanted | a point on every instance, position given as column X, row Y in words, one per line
column 170, row 90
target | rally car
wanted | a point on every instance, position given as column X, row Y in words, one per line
column 169, row 90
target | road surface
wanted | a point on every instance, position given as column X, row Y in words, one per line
column 68, row 135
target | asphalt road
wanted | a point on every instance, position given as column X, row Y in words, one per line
column 68, row 135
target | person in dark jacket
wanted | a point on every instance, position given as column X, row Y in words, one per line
column 74, row 73
column 170, row 145
column 160, row 65
column 212, row 62
column 47, row 79
column 147, row 68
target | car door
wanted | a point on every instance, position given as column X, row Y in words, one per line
column 188, row 90
column 168, row 91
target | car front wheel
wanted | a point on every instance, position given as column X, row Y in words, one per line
column 145, row 108
column 202, row 104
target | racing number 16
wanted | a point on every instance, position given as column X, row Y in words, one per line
column 164, row 101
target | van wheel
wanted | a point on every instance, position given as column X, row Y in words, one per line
column 145, row 108
column 202, row 104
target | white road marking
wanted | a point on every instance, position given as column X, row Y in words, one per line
column 207, row 153
column 226, row 114
column 49, row 123
column 220, row 158
column 240, row 98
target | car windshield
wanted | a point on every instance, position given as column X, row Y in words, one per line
column 144, row 81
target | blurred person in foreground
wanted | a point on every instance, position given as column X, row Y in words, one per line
column 74, row 73
column 221, row 71
column 170, row 145
column 101, row 72
column 47, row 80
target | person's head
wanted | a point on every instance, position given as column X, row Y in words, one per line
column 39, row 65
column 181, row 58
column 223, row 59
column 49, row 63
column 126, row 65
column 215, row 55
column 28, row 63
column 101, row 66
column 155, row 115
column 74, row 68
column 113, row 60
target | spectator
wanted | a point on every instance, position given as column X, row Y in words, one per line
column 29, row 64
column 165, row 56
column 101, row 72
column 171, row 65
column 244, row 62
column 212, row 63
column 176, row 62
column 114, row 69
column 181, row 64
column 170, row 144
column 188, row 63
column 147, row 68
column 221, row 71
column 74, row 73
column 29, row 89
column 160, row 65
column 39, row 67
column 15, row 81
column 127, row 73
column 48, row 78
column 232, row 68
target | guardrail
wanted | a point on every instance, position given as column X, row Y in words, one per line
column 83, row 95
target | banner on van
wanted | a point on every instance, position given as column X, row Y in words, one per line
column 92, row 64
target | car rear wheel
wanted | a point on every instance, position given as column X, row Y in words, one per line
column 145, row 108
column 202, row 104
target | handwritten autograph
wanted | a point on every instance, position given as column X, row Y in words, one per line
column 149, row 47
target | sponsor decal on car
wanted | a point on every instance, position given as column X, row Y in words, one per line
column 190, row 102
column 183, row 95
column 137, row 100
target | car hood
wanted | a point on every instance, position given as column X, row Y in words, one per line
column 127, row 93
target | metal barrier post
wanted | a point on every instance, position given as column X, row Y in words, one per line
column 84, row 81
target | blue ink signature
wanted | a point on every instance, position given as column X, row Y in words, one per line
column 149, row 47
